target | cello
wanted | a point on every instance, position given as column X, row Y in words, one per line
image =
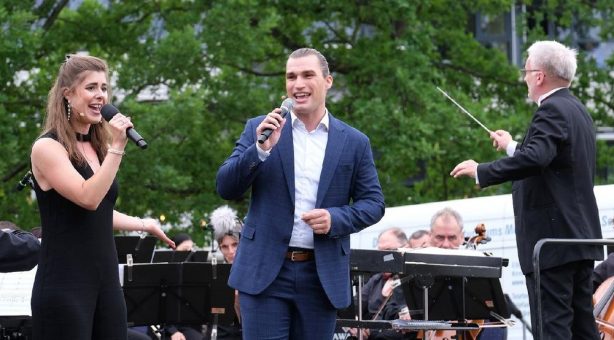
column 603, row 309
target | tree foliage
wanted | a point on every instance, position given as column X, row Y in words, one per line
column 217, row 63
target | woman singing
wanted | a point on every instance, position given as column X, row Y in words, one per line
column 76, row 292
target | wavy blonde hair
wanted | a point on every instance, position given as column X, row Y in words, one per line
column 72, row 72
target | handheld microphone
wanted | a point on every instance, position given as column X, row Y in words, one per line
column 109, row 111
column 27, row 179
column 286, row 106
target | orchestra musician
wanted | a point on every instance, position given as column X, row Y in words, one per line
column 447, row 233
column 227, row 229
column 603, row 291
column 419, row 239
column 552, row 171
column 313, row 182
column 446, row 229
column 183, row 242
column 603, row 271
column 380, row 300
column 77, row 293
column 18, row 249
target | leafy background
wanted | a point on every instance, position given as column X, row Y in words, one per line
column 210, row 65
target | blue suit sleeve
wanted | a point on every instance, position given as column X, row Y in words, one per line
column 238, row 171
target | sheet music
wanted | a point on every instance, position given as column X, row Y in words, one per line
column 16, row 292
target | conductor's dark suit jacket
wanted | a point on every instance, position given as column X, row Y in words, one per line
column 553, row 171
column 349, row 189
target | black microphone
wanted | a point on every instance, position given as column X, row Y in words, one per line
column 286, row 106
column 27, row 179
column 109, row 111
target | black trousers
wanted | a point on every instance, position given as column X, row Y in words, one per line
column 566, row 302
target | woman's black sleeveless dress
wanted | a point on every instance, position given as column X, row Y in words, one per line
column 77, row 294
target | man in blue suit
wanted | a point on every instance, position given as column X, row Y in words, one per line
column 553, row 170
column 313, row 183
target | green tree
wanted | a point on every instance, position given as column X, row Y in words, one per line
column 218, row 63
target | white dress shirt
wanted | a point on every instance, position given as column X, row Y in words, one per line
column 309, row 150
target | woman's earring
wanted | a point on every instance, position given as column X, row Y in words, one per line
column 68, row 110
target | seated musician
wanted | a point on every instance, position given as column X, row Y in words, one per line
column 603, row 271
column 447, row 233
column 18, row 249
column 227, row 227
column 446, row 229
column 183, row 242
column 419, row 239
column 380, row 300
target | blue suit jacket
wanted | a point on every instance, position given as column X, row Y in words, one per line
column 349, row 189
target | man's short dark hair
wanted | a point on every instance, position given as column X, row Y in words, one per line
column 304, row 52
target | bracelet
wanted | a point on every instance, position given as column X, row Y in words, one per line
column 141, row 232
column 117, row 152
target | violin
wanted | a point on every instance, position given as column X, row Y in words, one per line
column 479, row 237
column 603, row 308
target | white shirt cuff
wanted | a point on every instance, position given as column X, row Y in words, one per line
column 511, row 148
column 262, row 154
column 477, row 181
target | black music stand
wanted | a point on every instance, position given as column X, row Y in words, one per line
column 171, row 256
column 177, row 293
column 456, row 298
column 161, row 294
column 141, row 249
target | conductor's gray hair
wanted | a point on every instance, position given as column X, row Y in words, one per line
column 553, row 58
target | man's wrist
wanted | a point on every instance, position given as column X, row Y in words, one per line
column 511, row 148
column 262, row 154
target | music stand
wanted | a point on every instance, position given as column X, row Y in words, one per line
column 141, row 249
column 457, row 298
column 177, row 293
column 171, row 256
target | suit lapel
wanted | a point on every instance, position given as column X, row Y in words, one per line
column 285, row 147
column 334, row 148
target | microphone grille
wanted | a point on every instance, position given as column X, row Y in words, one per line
column 286, row 105
column 108, row 111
